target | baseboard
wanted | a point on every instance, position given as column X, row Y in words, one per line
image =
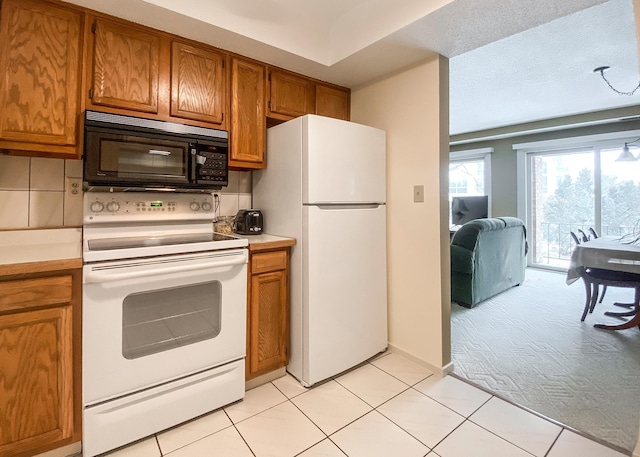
column 64, row 451
column 265, row 378
column 440, row 371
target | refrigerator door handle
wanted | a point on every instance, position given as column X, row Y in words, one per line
column 345, row 206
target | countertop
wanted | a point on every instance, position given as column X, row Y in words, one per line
column 26, row 246
column 21, row 247
column 266, row 242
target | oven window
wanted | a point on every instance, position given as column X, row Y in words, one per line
column 165, row 319
column 142, row 157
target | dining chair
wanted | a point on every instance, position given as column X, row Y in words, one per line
column 600, row 277
column 583, row 236
column 576, row 240
column 593, row 235
column 591, row 283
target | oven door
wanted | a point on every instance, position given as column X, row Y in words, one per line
column 153, row 320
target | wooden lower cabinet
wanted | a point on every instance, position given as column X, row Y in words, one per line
column 268, row 312
column 39, row 360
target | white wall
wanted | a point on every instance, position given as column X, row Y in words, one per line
column 412, row 107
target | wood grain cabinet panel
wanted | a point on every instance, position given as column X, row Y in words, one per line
column 40, row 357
column 28, row 293
column 269, row 261
column 198, row 83
column 333, row 102
column 125, row 67
column 268, row 312
column 290, row 95
column 40, row 51
column 247, row 135
column 36, row 380
column 269, row 322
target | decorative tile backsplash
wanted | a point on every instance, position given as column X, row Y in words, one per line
column 34, row 193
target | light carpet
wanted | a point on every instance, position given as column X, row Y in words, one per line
column 528, row 345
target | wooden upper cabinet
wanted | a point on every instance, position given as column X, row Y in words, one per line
column 290, row 95
column 40, row 55
column 198, row 83
column 333, row 102
column 125, row 67
column 248, row 122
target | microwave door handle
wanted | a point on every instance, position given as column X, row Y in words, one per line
column 192, row 165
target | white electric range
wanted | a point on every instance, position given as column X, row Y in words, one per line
column 164, row 315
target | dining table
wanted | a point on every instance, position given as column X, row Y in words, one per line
column 614, row 253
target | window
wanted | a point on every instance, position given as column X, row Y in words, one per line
column 469, row 173
column 574, row 187
column 561, row 201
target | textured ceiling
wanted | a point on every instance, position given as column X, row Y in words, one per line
column 506, row 55
column 547, row 71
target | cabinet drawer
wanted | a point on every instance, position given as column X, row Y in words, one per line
column 268, row 261
column 30, row 293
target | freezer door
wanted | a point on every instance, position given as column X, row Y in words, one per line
column 343, row 162
column 345, row 288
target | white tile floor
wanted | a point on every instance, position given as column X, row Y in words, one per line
column 388, row 407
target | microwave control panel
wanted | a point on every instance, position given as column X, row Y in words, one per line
column 211, row 167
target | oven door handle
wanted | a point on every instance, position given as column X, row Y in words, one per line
column 113, row 275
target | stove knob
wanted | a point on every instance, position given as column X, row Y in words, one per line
column 96, row 207
column 195, row 206
column 113, row 206
column 206, row 206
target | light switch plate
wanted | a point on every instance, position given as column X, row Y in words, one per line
column 418, row 194
column 73, row 188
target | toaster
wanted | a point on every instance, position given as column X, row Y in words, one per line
column 248, row 222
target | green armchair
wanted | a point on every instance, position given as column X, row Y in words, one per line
column 488, row 256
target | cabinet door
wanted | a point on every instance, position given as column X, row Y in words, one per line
column 248, row 122
column 40, row 64
column 36, row 380
column 125, row 67
column 198, row 83
column 269, row 331
column 290, row 95
column 332, row 102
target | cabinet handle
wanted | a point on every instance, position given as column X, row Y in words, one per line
column 91, row 93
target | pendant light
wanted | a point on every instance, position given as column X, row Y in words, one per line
column 604, row 68
column 626, row 155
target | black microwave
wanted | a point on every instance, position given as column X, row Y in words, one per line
column 138, row 154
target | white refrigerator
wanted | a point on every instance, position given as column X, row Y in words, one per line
column 324, row 185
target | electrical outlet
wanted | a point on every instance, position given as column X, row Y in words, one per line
column 73, row 188
column 418, row 194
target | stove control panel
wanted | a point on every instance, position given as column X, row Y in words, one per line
column 146, row 206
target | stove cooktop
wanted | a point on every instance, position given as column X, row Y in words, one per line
column 107, row 244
